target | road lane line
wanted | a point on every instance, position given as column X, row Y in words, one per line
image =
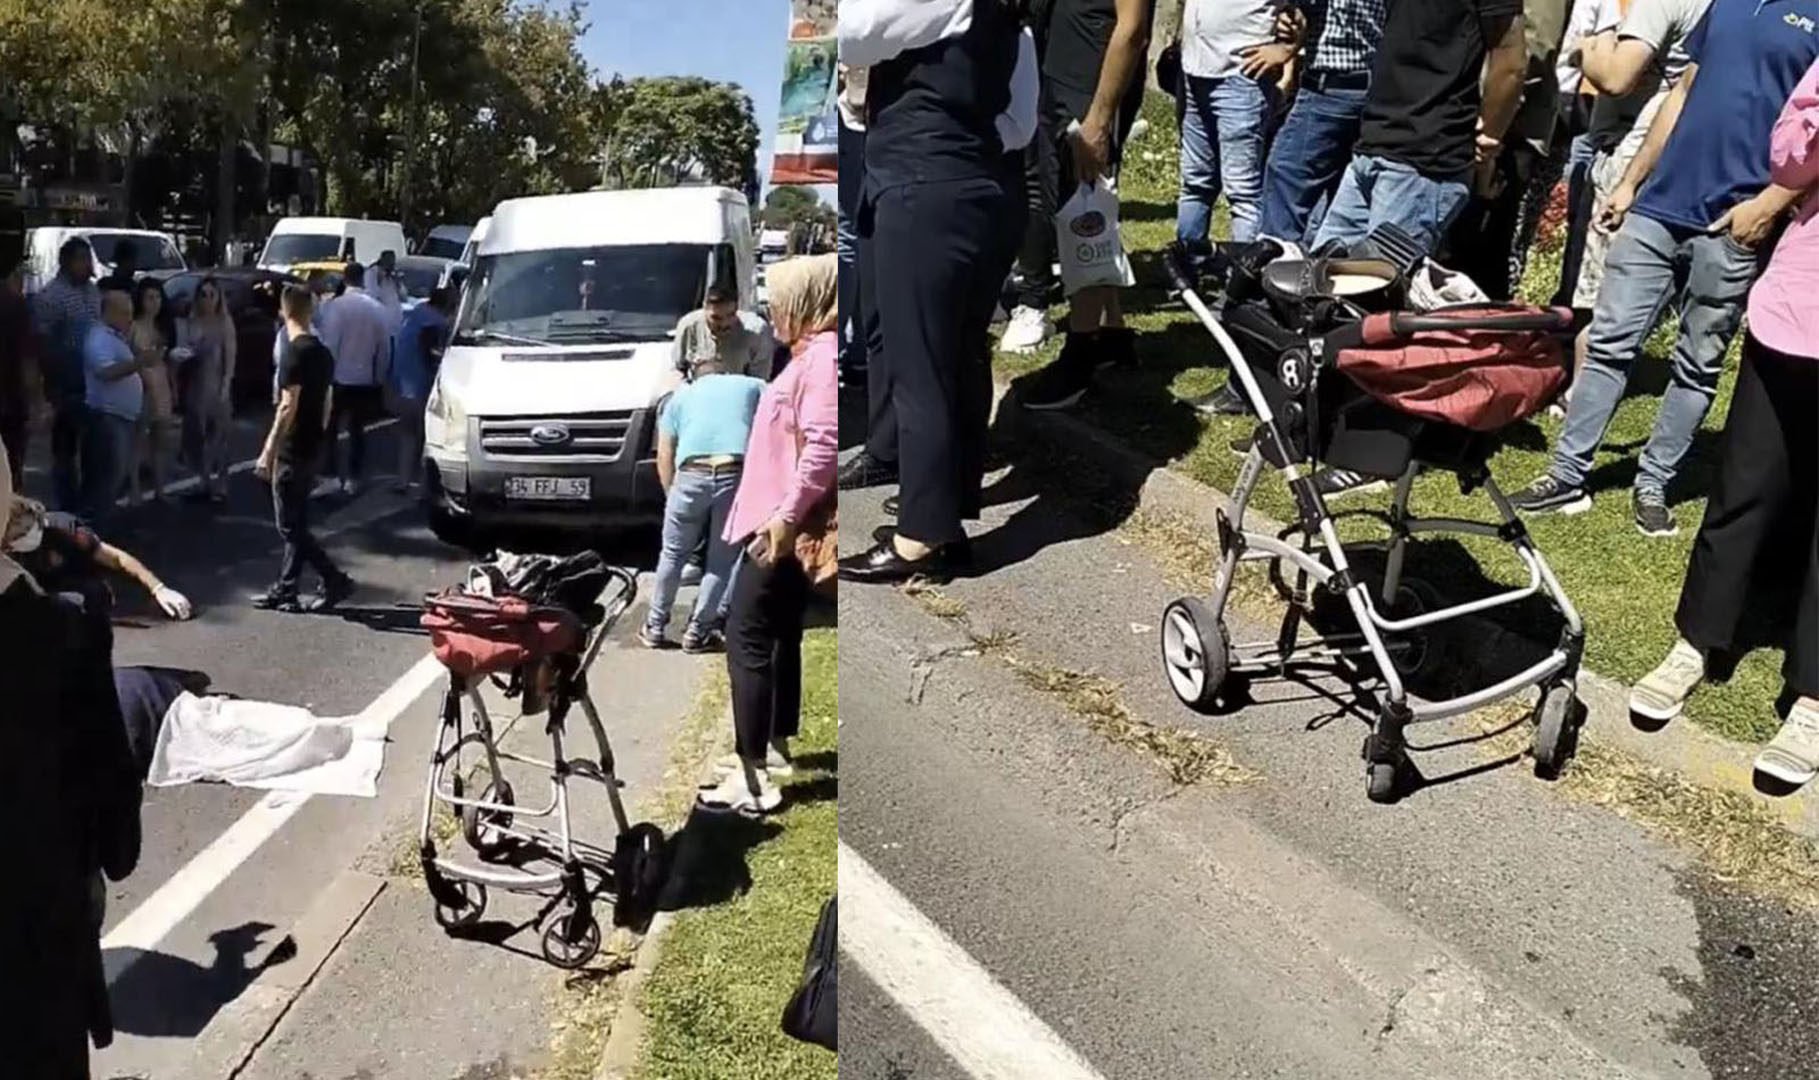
column 981, row 1025
column 173, row 901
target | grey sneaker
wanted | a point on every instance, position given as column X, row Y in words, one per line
column 1652, row 515
column 1549, row 496
column 1662, row 693
column 1792, row 756
column 652, row 638
column 695, row 644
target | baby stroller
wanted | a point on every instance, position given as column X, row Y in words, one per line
column 534, row 625
column 1337, row 375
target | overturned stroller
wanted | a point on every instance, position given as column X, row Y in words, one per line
column 1339, row 374
column 534, row 625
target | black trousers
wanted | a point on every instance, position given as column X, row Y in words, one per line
column 290, row 500
column 69, row 424
column 764, row 653
column 939, row 253
column 1036, row 252
column 1759, row 538
column 355, row 407
column 15, row 437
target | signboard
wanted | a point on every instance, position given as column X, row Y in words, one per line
column 808, row 129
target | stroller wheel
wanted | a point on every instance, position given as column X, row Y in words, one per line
column 640, row 867
column 1196, row 655
column 1558, row 717
column 481, row 827
column 1383, row 781
column 1420, row 650
column 467, row 913
column 571, row 937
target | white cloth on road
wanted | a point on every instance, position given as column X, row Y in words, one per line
column 261, row 744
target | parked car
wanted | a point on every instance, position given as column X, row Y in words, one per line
column 446, row 242
column 319, row 239
column 252, row 300
column 422, row 274
column 156, row 251
column 543, row 413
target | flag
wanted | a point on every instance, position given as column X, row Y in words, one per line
column 808, row 129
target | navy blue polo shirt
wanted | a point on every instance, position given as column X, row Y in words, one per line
column 1751, row 54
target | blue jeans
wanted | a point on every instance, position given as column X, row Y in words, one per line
column 1377, row 191
column 1223, row 136
column 1307, row 161
column 1708, row 278
column 697, row 502
column 107, row 448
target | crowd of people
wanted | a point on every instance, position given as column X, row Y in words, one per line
column 1684, row 130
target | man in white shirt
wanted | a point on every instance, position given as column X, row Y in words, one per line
column 358, row 331
column 387, row 286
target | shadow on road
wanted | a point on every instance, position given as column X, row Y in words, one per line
column 160, row 995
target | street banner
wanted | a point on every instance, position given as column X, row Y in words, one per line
column 808, row 131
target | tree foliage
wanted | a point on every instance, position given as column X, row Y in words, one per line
column 668, row 130
column 505, row 104
column 787, row 206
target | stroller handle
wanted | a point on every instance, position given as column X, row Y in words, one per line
column 1510, row 318
column 1175, row 262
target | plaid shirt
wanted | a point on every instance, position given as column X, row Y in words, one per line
column 62, row 312
column 1344, row 34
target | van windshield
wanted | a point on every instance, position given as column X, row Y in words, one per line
column 149, row 252
column 442, row 247
column 585, row 295
column 285, row 249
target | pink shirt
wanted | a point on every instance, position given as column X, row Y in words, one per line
column 1783, row 313
column 795, row 445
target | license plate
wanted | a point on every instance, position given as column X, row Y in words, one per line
column 549, row 488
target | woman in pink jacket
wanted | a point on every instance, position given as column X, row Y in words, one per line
column 1768, row 478
column 788, row 478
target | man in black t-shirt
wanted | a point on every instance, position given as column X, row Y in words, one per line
column 1427, row 135
column 292, row 449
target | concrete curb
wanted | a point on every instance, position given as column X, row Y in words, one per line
column 1682, row 748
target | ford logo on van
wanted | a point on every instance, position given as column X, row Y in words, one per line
column 1091, row 223
column 550, row 435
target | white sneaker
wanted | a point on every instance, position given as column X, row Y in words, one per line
column 1029, row 328
column 1792, row 756
column 733, row 793
column 1662, row 693
column 774, row 763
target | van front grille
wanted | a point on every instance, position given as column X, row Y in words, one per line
column 593, row 435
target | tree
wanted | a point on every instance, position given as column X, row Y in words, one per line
column 789, row 205
column 668, row 130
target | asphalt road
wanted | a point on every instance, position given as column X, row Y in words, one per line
column 307, row 948
column 1043, row 882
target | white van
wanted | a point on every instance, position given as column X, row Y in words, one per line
column 543, row 413
column 155, row 251
column 446, row 241
column 318, row 239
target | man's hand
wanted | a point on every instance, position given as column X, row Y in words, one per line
column 1291, row 25
column 1486, row 147
column 1749, row 222
column 266, row 465
column 1092, row 152
column 1262, row 61
column 779, row 540
column 1617, row 207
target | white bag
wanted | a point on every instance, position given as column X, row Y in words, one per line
column 264, row 745
column 1087, row 241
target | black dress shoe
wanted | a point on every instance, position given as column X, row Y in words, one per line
column 863, row 470
column 892, row 505
column 880, row 564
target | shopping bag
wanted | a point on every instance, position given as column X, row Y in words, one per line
column 813, row 1012
column 1088, row 242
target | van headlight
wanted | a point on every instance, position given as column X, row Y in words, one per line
column 445, row 422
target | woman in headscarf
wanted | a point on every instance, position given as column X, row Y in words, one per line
column 785, row 491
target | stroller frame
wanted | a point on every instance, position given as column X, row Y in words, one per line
column 1198, row 656
column 492, row 823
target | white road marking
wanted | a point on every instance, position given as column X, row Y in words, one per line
column 984, row 1027
column 158, row 914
